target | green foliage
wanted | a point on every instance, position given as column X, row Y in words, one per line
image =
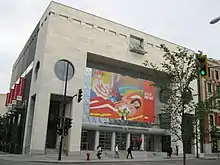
column 180, row 68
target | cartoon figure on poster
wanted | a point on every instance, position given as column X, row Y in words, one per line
column 121, row 97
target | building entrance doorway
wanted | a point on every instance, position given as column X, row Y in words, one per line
column 51, row 127
column 166, row 143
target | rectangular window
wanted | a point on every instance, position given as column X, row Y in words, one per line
column 89, row 25
column 218, row 90
column 209, row 87
column 209, row 72
column 157, row 46
column 150, row 44
column 218, row 103
column 76, row 21
column 101, row 28
column 216, row 75
column 137, row 45
column 122, row 35
column 165, row 120
column 63, row 16
column 211, row 120
column 112, row 32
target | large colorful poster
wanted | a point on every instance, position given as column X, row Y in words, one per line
column 116, row 96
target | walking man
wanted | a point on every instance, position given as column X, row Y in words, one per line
column 129, row 152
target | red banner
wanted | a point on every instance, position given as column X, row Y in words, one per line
column 149, row 101
column 14, row 97
column 7, row 99
column 20, row 89
column 10, row 97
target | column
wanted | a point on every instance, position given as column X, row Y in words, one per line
column 157, row 144
column 66, row 140
column 128, row 140
column 40, row 120
column 28, row 120
column 142, row 144
column 76, row 129
column 113, row 141
column 96, row 139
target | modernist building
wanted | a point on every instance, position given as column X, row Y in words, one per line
column 88, row 42
column 210, row 88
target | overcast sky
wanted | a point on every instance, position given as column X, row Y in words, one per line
column 185, row 22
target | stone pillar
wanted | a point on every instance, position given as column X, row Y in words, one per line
column 75, row 131
column 66, row 140
column 157, row 144
column 96, row 139
column 142, row 144
column 40, row 120
column 113, row 141
column 128, row 140
column 28, row 120
column 207, row 148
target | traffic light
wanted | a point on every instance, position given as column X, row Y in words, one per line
column 203, row 65
column 66, row 130
column 80, row 95
column 59, row 131
column 68, row 123
column 58, row 119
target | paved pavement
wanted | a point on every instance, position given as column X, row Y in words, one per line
column 139, row 158
column 168, row 162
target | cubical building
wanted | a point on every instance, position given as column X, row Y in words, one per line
column 121, row 99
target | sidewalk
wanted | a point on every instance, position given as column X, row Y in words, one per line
column 75, row 159
column 79, row 160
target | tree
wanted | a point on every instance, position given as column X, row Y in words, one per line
column 180, row 69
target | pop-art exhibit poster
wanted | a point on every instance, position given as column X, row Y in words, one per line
column 121, row 97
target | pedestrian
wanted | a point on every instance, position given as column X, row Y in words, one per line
column 99, row 152
column 116, row 151
column 129, row 152
column 170, row 152
column 177, row 150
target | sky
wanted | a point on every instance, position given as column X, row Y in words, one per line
column 185, row 22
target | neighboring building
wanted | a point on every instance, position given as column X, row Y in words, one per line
column 211, row 87
column 92, row 45
column 3, row 108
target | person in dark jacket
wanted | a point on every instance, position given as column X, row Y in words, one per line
column 129, row 152
column 169, row 152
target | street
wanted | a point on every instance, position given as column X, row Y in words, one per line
column 172, row 162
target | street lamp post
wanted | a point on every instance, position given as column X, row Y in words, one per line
column 64, row 70
column 215, row 20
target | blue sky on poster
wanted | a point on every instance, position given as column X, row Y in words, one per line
column 184, row 22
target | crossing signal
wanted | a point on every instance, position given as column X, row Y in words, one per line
column 66, row 130
column 68, row 123
column 80, row 95
column 203, row 65
column 59, row 131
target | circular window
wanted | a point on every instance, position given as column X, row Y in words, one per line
column 37, row 67
column 64, row 70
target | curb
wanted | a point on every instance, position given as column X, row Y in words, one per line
column 101, row 161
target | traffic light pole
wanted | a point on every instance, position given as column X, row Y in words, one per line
column 63, row 114
column 199, row 100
